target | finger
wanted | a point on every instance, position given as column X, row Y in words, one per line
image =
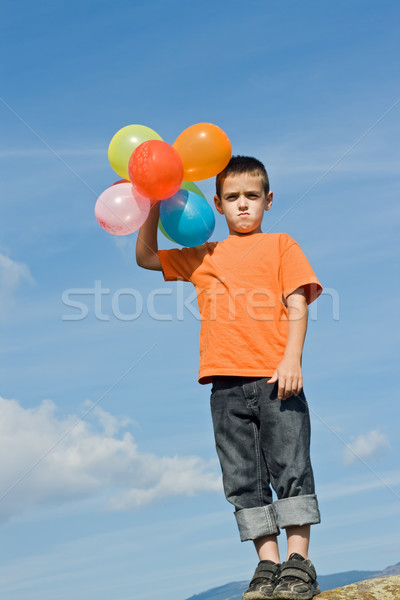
column 281, row 389
column 288, row 388
column 297, row 386
column 274, row 378
column 297, row 390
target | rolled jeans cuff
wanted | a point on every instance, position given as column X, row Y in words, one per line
column 297, row 510
column 256, row 522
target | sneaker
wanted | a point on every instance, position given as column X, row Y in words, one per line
column 263, row 583
column 297, row 580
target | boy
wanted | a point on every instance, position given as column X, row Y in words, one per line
column 253, row 290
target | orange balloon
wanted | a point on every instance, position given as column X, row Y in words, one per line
column 156, row 170
column 205, row 150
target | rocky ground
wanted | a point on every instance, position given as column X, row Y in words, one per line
column 382, row 588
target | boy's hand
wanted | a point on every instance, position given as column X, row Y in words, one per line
column 289, row 377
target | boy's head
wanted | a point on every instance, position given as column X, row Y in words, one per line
column 239, row 165
column 243, row 194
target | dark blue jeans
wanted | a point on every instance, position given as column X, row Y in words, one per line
column 263, row 443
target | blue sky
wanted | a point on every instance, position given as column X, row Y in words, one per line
column 109, row 484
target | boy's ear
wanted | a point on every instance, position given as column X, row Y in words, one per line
column 218, row 205
column 268, row 200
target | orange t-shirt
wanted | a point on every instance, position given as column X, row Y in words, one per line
column 241, row 285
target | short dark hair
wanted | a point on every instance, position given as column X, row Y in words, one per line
column 242, row 164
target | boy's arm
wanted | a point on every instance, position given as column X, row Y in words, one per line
column 146, row 244
column 288, row 373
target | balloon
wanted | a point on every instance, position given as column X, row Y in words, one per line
column 130, row 183
column 187, row 218
column 124, row 142
column 156, row 170
column 121, row 212
column 192, row 187
column 161, row 228
column 120, row 181
column 205, row 150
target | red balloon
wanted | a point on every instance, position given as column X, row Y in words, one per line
column 156, row 170
column 120, row 181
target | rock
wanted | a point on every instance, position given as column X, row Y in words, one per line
column 381, row 588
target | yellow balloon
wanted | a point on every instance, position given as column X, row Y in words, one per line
column 124, row 142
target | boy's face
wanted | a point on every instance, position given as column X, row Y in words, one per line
column 243, row 202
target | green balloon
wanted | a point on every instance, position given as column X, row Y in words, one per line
column 192, row 187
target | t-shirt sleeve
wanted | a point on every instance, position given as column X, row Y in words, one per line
column 297, row 272
column 179, row 263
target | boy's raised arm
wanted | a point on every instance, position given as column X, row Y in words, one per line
column 146, row 244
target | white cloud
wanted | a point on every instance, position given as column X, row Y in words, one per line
column 368, row 445
column 47, row 460
column 168, row 477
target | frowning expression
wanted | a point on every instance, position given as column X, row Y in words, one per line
column 243, row 202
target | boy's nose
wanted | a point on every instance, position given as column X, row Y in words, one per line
column 242, row 202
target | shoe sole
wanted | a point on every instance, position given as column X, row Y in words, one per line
column 293, row 596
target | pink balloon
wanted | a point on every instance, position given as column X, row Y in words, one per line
column 120, row 210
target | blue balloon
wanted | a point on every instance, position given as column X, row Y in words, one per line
column 187, row 218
